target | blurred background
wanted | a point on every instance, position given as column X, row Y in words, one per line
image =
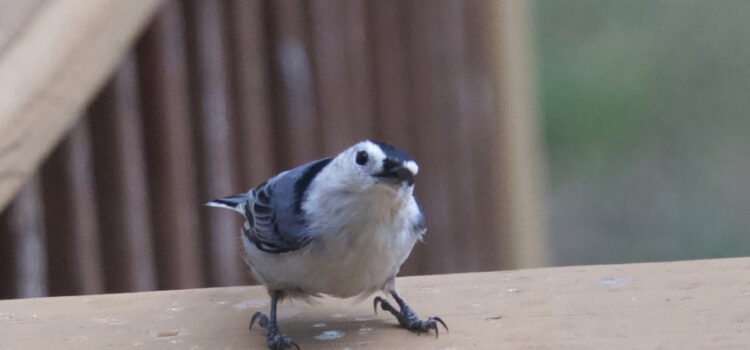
column 547, row 133
column 646, row 123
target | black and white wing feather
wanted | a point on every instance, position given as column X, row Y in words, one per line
column 275, row 221
column 263, row 227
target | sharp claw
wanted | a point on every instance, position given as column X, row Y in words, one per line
column 408, row 319
column 375, row 304
column 255, row 317
column 441, row 322
column 274, row 338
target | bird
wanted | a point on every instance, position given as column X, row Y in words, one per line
column 339, row 226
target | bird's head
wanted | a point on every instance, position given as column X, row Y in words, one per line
column 368, row 164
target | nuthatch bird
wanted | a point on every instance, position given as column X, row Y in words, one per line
column 338, row 226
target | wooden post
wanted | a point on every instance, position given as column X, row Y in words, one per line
column 28, row 263
column 518, row 169
column 71, row 217
column 296, row 126
column 168, row 136
column 212, row 133
column 252, row 87
column 122, row 195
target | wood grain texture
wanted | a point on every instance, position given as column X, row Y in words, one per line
column 467, row 240
column 521, row 177
column 14, row 17
column 296, row 129
column 358, row 40
column 480, row 111
column 121, row 184
column 392, row 86
column 50, row 65
column 331, row 74
column 168, row 136
column 251, row 78
column 676, row 305
column 72, row 225
column 211, row 112
column 24, row 224
column 342, row 73
column 432, row 106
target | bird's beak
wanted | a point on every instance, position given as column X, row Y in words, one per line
column 396, row 173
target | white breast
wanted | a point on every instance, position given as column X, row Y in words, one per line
column 360, row 243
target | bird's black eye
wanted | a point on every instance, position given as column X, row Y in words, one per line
column 362, row 157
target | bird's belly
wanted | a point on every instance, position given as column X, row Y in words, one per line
column 341, row 265
column 351, row 274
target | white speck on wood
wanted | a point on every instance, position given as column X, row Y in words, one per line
column 76, row 338
column 254, row 303
column 615, row 282
column 329, row 335
column 109, row 321
column 6, row 317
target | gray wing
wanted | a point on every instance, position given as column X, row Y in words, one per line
column 275, row 220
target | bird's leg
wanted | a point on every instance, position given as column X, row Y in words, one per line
column 406, row 317
column 274, row 339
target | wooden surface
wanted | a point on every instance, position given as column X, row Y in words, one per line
column 678, row 305
column 54, row 55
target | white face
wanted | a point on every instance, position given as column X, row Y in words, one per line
column 366, row 164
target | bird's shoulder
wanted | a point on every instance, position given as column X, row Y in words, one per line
column 275, row 220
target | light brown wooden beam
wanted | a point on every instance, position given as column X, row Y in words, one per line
column 676, row 305
column 519, row 168
column 52, row 60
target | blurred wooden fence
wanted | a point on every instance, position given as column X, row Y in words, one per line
column 217, row 96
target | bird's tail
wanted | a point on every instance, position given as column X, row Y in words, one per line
column 233, row 202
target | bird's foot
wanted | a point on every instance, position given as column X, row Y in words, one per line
column 407, row 318
column 274, row 339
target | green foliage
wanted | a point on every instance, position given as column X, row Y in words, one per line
column 646, row 120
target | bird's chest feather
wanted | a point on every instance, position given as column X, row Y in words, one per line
column 361, row 244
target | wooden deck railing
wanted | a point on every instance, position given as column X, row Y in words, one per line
column 217, row 96
column 675, row 305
